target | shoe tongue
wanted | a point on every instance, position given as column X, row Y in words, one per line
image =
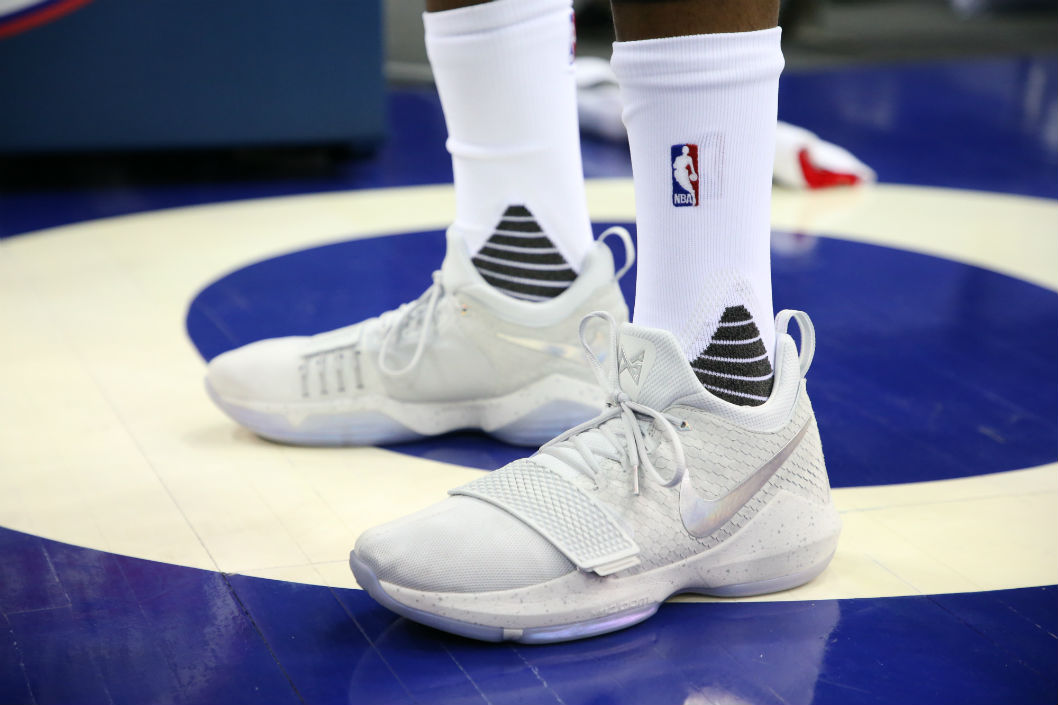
column 653, row 369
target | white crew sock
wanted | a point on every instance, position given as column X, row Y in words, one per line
column 504, row 73
column 707, row 104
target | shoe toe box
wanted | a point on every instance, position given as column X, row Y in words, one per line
column 460, row 545
column 265, row 371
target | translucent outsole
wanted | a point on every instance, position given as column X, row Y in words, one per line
column 574, row 630
column 538, row 635
column 365, row 428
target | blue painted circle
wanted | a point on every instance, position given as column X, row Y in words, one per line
column 969, row 386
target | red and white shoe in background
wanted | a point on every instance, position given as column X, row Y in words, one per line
column 802, row 159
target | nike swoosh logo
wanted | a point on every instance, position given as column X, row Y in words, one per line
column 701, row 518
column 563, row 350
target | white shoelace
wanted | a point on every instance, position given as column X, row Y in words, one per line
column 629, row 447
column 393, row 322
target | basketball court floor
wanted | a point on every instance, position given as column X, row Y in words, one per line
column 153, row 552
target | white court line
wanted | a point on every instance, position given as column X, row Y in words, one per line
column 107, row 439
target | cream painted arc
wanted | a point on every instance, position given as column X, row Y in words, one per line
column 178, row 482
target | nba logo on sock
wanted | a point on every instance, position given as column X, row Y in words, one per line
column 684, row 175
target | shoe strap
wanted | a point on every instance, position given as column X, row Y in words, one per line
column 563, row 513
column 808, row 335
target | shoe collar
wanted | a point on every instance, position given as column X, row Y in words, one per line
column 458, row 274
column 653, row 370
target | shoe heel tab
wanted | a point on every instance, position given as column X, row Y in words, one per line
column 457, row 269
column 630, row 249
column 807, row 349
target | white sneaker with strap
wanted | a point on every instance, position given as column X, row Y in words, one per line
column 669, row 490
column 463, row 355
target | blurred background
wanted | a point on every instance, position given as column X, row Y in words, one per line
column 104, row 92
column 815, row 32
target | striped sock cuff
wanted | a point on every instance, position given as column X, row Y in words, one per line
column 520, row 260
column 735, row 365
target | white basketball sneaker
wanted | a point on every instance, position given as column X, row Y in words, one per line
column 669, row 490
column 463, row 355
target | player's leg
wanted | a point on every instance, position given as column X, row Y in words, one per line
column 700, row 80
column 702, row 478
column 442, row 5
column 505, row 77
column 803, row 159
column 637, row 20
column 493, row 343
